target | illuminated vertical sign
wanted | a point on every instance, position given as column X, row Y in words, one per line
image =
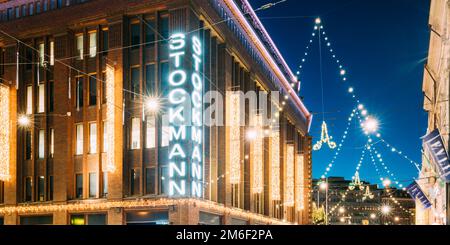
column 185, row 100
column 5, row 132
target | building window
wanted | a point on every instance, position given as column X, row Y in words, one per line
column 150, row 33
column 92, row 44
column 41, row 98
column 164, row 27
column 93, row 185
column 41, row 54
column 135, row 35
column 52, row 4
column 150, row 180
column 36, row 220
column 52, row 53
column 92, row 90
column 79, row 186
column 79, row 139
column 45, row 5
column 135, row 78
column 88, row 219
column 135, row 182
column 29, row 110
column 38, row 7
column 10, row 12
column 31, row 9
column 105, row 42
column 79, row 92
column 28, row 145
column 52, row 142
column 150, row 79
column 59, row 3
column 93, row 138
column 147, row 218
column 105, row 184
column 80, row 46
column 103, row 86
column 50, row 188
column 209, row 219
column 135, row 133
column 28, row 189
column 24, row 10
column 164, row 180
column 29, row 58
column 17, row 10
column 41, row 149
column 41, row 188
column 51, row 96
column 150, row 135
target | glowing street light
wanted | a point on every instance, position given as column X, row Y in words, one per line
column 373, row 216
column 318, row 21
column 360, row 106
column 323, row 186
column 252, row 134
column 24, row 121
column 385, row 209
column 341, row 210
column 152, row 104
column 387, row 182
column 397, row 219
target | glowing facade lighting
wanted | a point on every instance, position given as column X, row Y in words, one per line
column 233, row 120
column 290, row 177
column 275, row 165
column 300, row 180
column 258, row 157
column 5, row 132
column 110, row 119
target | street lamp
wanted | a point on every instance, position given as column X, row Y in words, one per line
column 341, row 210
column 373, row 216
column 24, row 121
column 385, row 209
column 387, row 182
column 371, row 125
column 153, row 104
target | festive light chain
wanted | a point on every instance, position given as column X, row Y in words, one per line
column 324, row 138
column 400, row 153
column 305, row 55
column 95, row 205
column 393, row 199
column 339, row 147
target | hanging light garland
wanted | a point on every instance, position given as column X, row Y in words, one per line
column 5, row 132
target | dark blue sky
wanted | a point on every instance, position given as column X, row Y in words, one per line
column 383, row 45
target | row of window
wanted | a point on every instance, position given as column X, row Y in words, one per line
column 40, row 108
column 44, row 191
column 35, row 8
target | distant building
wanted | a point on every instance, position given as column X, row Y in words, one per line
column 436, row 103
column 360, row 206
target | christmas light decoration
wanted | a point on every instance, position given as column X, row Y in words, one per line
column 110, row 119
column 275, row 165
column 324, row 138
column 101, row 205
column 233, row 121
column 367, row 194
column 356, row 183
column 290, row 177
column 5, row 132
column 300, row 180
column 258, row 157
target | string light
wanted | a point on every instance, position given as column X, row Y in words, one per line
column 5, row 132
column 110, row 119
column 290, row 176
column 257, row 156
column 275, row 165
column 300, row 179
column 233, row 117
column 325, row 138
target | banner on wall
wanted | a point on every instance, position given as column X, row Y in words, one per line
column 434, row 144
column 416, row 192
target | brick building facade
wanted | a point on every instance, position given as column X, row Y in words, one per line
column 75, row 79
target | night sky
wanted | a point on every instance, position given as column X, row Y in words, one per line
column 383, row 45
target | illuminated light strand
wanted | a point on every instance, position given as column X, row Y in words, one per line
column 290, row 177
column 400, row 153
column 339, row 146
column 233, row 116
column 257, row 156
column 97, row 205
column 110, row 119
column 275, row 165
column 5, row 132
column 300, row 180
column 304, row 57
column 393, row 199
